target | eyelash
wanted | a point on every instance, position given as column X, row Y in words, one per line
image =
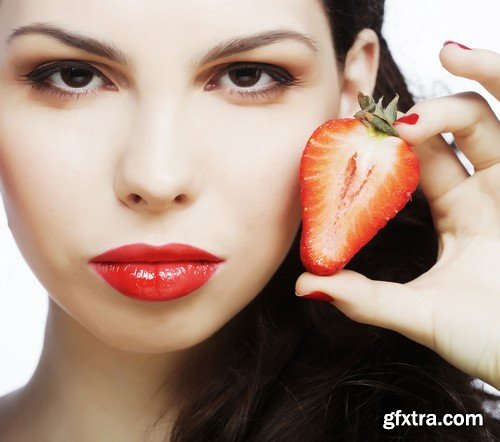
column 283, row 80
column 37, row 79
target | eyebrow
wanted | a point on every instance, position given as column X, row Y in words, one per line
column 110, row 51
column 243, row 44
column 77, row 41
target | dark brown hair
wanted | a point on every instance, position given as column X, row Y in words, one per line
column 287, row 369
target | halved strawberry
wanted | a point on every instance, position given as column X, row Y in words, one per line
column 355, row 175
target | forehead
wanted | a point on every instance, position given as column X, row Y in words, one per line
column 186, row 23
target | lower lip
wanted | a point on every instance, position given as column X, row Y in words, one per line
column 161, row 281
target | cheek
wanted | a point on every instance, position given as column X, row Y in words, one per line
column 252, row 168
column 43, row 161
column 254, row 155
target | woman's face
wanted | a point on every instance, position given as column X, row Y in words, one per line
column 166, row 148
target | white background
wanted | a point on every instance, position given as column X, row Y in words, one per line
column 415, row 32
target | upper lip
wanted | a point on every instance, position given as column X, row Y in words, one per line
column 141, row 252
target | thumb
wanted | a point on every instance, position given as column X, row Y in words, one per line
column 391, row 305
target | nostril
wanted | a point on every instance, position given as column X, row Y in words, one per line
column 135, row 198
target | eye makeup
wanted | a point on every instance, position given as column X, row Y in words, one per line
column 38, row 79
column 282, row 80
column 41, row 79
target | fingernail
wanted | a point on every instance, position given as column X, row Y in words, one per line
column 408, row 119
column 317, row 296
column 447, row 42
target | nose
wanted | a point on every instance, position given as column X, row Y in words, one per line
column 154, row 171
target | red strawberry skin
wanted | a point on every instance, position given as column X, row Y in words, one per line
column 353, row 180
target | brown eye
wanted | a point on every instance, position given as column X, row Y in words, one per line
column 76, row 77
column 245, row 76
column 67, row 79
column 252, row 81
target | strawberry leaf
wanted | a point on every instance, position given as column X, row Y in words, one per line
column 379, row 109
column 366, row 102
column 377, row 117
column 383, row 126
column 391, row 111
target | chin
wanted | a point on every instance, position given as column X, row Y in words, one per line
column 153, row 342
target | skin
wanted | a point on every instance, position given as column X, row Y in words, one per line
column 105, row 355
column 152, row 160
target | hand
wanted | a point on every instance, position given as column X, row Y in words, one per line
column 454, row 308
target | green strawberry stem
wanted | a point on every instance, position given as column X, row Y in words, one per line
column 375, row 116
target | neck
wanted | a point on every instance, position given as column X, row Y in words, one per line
column 84, row 388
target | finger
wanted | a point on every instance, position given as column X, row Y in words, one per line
column 440, row 169
column 398, row 307
column 471, row 120
column 480, row 65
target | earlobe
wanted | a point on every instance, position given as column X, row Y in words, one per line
column 360, row 71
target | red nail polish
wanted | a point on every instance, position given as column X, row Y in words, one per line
column 318, row 296
column 447, row 42
column 408, row 119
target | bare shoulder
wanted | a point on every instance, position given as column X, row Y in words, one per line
column 10, row 410
column 9, row 402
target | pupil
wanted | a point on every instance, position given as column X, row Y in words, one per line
column 245, row 76
column 76, row 77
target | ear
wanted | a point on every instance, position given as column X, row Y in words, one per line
column 360, row 71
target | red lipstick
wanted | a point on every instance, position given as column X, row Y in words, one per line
column 156, row 273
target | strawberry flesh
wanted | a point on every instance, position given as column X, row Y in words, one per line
column 353, row 180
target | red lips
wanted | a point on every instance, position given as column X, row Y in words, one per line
column 156, row 273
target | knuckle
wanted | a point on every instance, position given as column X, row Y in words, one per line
column 493, row 86
column 473, row 96
column 359, row 314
